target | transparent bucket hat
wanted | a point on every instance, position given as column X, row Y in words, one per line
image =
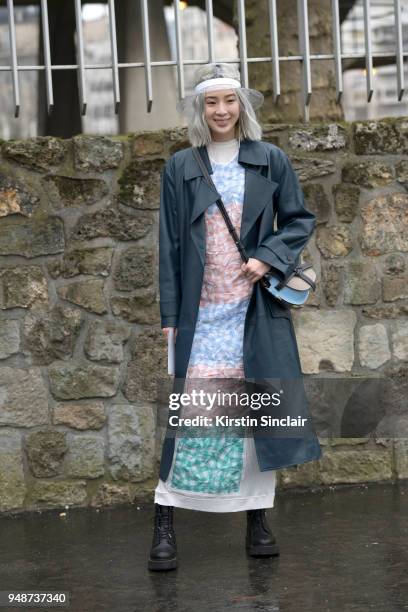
column 188, row 105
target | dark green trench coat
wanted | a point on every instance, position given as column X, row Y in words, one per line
column 272, row 190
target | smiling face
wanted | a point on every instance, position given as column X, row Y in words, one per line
column 221, row 111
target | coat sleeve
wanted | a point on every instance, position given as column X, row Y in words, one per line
column 295, row 224
column 169, row 249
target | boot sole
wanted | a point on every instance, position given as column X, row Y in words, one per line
column 267, row 550
column 162, row 564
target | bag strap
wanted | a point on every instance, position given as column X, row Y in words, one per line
column 298, row 271
column 230, row 226
column 241, row 249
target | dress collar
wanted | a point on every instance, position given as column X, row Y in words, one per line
column 251, row 152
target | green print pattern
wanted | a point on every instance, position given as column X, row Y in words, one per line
column 209, row 465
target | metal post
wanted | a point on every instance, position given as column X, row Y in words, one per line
column 13, row 57
column 47, row 56
column 80, row 56
column 179, row 50
column 399, row 49
column 114, row 52
column 242, row 43
column 368, row 49
column 146, row 53
column 303, row 26
column 337, row 49
column 273, row 30
column 210, row 30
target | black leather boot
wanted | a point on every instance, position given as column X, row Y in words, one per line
column 163, row 553
column 260, row 541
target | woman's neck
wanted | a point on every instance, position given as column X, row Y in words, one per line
column 223, row 151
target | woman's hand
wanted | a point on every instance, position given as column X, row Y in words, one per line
column 254, row 269
column 166, row 330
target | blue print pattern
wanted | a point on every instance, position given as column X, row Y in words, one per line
column 215, row 464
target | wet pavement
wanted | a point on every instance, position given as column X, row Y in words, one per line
column 342, row 550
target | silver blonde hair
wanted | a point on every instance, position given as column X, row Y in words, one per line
column 193, row 107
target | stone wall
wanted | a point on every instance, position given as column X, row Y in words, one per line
column 80, row 342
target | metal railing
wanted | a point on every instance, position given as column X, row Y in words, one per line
column 305, row 57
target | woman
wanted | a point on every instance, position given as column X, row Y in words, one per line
column 226, row 325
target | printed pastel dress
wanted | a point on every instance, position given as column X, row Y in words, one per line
column 219, row 473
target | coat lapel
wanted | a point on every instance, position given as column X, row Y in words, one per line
column 258, row 189
column 258, row 192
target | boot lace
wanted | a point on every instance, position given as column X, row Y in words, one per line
column 260, row 514
column 164, row 522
